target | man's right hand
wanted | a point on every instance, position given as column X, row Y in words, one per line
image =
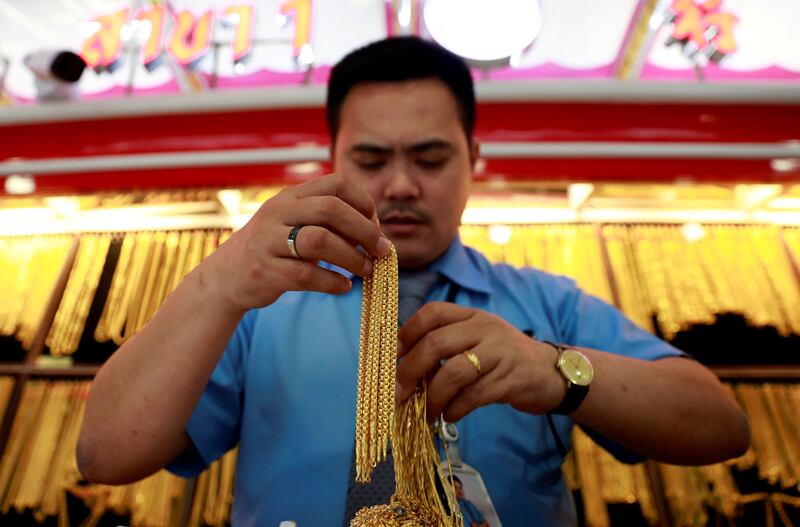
column 128, row 432
column 254, row 267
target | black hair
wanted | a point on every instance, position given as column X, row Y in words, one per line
column 400, row 59
column 455, row 478
column 68, row 67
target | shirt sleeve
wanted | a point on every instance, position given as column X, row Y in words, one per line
column 215, row 422
column 589, row 322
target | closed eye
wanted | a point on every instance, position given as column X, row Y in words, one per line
column 431, row 163
column 370, row 165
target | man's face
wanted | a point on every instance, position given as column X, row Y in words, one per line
column 404, row 143
column 459, row 489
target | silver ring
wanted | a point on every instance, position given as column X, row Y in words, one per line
column 291, row 241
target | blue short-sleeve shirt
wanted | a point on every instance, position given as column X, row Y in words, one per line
column 285, row 391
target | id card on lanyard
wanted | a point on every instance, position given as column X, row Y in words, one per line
column 473, row 499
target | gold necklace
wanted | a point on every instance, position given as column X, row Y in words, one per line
column 416, row 463
column 375, row 408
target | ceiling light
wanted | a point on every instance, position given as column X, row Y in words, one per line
column 693, row 232
column 305, row 168
column 754, row 196
column 231, row 200
column 20, row 184
column 500, row 234
column 578, row 194
column 483, row 31
column 306, row 56
column 785, row 165
column 67, row 208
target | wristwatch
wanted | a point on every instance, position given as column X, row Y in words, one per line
column 576, row 369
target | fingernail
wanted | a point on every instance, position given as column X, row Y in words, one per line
column 383, row 247
column 367, row 271
column 400, row 392
column 400, row 349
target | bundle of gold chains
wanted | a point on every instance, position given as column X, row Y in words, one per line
column 656, row 272
column 416, row 501
column 377, row 371
column 213, row 494
column 150, row 267
column 29, row 269
column 67, row 328
column 38, row 467
column 772, row 410
column 572, row 250
column 744, row 270
column 603, row 480
column 691, row 492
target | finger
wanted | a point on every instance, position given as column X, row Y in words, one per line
column 429, row 317
column 340, row 187
column 339, row 217
column 456, row 374
column 486, row 390
column 308, row 276
column 318, row 243
column 438, row 344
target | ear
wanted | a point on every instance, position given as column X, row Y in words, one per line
column 474, row 153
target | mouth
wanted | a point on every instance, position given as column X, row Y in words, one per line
column 400, row 224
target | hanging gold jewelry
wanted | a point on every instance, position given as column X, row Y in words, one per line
column 416, row 501
column 377, row 366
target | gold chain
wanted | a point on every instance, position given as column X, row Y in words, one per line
column 102, row 332
column 416, row 501
column 377, row 366
column 70, row 319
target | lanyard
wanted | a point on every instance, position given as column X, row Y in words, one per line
column 448, row 432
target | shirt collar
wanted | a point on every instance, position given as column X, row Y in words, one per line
column 457, row 264
column 461, row 267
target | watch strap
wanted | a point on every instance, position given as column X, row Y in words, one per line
column 572, row 399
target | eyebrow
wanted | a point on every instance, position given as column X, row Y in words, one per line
column 416, row 148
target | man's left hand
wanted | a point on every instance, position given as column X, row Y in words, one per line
column 514, row 368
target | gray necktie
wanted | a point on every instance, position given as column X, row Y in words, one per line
column 414, row 287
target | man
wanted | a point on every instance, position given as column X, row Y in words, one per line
column 258, row 346
column 469, row 512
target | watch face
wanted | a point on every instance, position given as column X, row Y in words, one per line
column 576, row 367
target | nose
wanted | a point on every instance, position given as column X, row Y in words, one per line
column 401, row 185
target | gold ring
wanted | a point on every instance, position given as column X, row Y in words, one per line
column 474, row 360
